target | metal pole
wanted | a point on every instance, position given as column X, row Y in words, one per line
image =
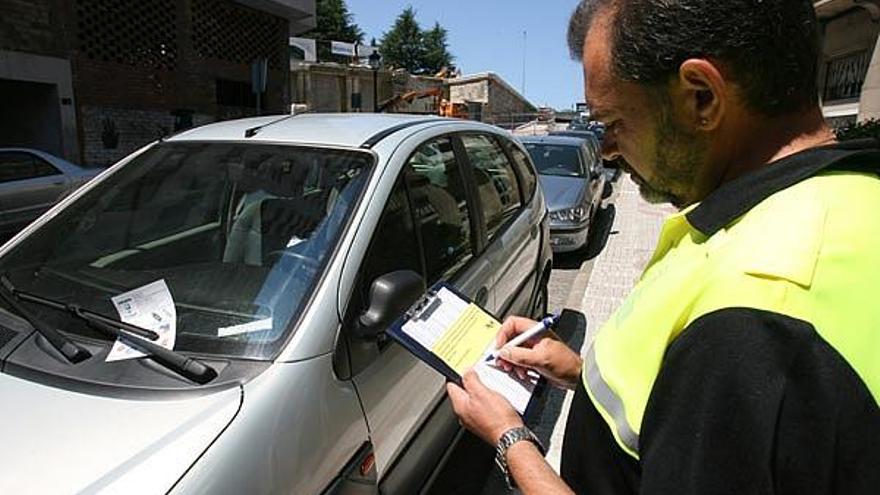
column 375, row 91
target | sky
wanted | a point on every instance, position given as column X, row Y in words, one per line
column 487, row 35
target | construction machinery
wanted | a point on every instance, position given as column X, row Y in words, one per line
column 442, row 106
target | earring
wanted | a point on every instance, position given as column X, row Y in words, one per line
column 704, row 121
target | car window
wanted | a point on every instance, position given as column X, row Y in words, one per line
column 393, row 245
column 439, row 203
column 495, row 181
column 528, row 179
column 18, row 165
column 240, row 232
column 558, row 160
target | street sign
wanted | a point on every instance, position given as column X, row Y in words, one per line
column 259, row 69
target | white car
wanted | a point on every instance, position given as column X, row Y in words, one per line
column 31, row 181
column 275, row 251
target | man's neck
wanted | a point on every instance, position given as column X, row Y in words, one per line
column 768, row 141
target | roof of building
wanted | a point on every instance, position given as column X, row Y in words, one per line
column 338, row 129
column 480, row 76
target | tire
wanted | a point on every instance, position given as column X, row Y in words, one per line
column 539, row 308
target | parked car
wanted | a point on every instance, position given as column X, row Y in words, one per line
column 594, row 138
column 571, row 175
column 31, row 181
column 288, row 244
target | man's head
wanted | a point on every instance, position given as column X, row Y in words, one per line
column 679, row 83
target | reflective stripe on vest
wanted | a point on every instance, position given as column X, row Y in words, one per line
column 610, row 404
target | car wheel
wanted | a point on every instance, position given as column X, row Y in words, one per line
column 539, row 309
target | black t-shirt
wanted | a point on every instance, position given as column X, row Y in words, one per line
column 746, row 402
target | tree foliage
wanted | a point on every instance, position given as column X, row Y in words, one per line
column 437, row 54
column 407, row 46
column 866, row 129
column 334, row 24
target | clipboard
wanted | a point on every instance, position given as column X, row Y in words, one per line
column 430, row 310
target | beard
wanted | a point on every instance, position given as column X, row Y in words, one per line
column 678, row 156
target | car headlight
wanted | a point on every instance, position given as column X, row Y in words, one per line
column 569, row 215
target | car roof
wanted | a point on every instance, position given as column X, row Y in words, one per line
column 348, row 130
column 557, row 140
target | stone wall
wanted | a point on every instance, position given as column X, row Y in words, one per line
column 473, row 91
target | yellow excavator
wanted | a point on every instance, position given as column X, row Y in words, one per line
column 444, row 107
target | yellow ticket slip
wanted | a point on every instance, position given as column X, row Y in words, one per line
column 466, row 340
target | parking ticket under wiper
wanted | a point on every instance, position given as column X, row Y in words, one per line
column 187, row 367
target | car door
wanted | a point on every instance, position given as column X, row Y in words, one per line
column 593, row 161
column 426, row 226
column 511, row 237
column 28, row 187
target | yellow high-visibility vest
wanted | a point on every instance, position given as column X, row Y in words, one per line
column 774, row 241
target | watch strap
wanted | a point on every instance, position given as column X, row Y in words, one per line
column 507, row 440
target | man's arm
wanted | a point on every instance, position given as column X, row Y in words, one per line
column 488, row 415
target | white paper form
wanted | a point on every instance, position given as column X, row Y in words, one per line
column 431, row 326
column 150, row 307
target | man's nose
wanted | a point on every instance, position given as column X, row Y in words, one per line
column 610, row 152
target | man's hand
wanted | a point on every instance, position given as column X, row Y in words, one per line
column 482, row 411
column 547, row 355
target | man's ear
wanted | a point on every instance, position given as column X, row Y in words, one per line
column 704, row 92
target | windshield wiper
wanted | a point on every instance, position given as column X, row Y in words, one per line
column 134, row 335
column 68, row 348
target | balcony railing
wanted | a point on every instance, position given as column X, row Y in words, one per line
column 845, row 75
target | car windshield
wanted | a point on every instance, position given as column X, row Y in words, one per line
column 239, row 233
column 559, row 160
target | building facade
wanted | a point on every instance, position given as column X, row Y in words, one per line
column 849, row 69
column 490, row 98
column 93, row 80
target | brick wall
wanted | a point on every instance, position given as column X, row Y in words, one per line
column 111, row 133
column 477, row 91
column 30, row 26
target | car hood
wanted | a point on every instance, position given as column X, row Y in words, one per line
column 562, row 192
column 58, row 441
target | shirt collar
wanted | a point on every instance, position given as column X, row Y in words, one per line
column 735, row 198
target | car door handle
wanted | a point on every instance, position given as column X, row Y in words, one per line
column 482, row 296
column 534, row 232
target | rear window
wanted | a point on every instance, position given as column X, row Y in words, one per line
column 558, row 160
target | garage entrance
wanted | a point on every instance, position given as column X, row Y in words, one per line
column 31, row 116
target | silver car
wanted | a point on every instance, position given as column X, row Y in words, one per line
column 31, row 181
column 287, row 245
column 573, row 180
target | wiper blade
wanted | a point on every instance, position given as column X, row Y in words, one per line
column 68, row 348
column 75, row 310
column 187, row 367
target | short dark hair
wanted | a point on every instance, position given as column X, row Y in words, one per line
column 769, row 47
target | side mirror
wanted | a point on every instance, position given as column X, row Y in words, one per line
column 390, row 295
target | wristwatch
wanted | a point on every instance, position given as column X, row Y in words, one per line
column 509, row 438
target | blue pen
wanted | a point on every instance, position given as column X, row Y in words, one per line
column 539, row 328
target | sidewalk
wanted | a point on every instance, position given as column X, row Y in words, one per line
column 615, row 272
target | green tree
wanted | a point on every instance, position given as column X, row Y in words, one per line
column 437, row 54
column 334, row 24
column 403, row 45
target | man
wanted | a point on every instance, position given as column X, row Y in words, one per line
column 747, row 358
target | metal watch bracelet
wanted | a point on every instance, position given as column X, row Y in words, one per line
column 509, row 438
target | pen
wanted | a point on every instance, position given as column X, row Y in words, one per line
column 540, row 327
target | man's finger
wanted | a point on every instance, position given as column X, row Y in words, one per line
column 512, row 326
column 521, row 356
column 458, row 396
column 472, row 383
